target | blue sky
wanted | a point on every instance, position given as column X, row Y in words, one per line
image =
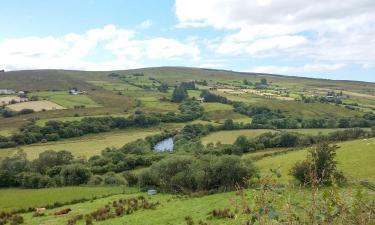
column 292, row 37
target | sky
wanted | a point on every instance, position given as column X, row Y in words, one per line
column 332, row 39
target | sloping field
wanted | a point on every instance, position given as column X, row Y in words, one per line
column 355, row 159
column 65, row 99
column 35, row 105
column 85, row 146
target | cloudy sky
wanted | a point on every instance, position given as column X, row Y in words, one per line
column 316, row 38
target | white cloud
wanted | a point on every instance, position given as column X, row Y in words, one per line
column 145, row 24
column 72, row 51
column 334, row 31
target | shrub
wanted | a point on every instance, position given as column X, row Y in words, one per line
column 187, row 174
column 319, row 168
column 114, row 179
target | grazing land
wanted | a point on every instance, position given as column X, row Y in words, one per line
column 228, row 137
column 30, row 198
column 354, row 159
column 65, row 99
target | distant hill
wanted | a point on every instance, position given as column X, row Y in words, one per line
column 33, row 80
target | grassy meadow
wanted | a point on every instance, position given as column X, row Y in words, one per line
column 355, row 159
column 228, row 137
column 84, row 146
column 11, row 199
column 66, row 100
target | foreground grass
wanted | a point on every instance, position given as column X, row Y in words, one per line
column 173, row 209
column 11, row 199
column 355, row 159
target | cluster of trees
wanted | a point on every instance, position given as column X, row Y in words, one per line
column 49, row 169
column 283, row 139
column 163, row 88
column 209, row 97
column 189, row 174
column 180, row 92
column 55, row 130
column 9, row 113
column 53, row 168
column 367, row 120
column 201, row 82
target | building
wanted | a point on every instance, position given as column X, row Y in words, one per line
column 74, row 91
column 199, row 99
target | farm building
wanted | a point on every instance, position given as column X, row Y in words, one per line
column 74, row 91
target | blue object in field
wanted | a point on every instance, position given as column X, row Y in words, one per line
column 151, row 192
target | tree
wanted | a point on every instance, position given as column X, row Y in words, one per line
column 51, row 158
column 179, row 94
column 74, row 174
column 244, row 144
column 163, row 88
column 229, row 124
column 264, row 81
column 344, row 123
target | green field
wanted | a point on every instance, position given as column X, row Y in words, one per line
column 66, row 100
column 84, row 146
column 228, row 137
column 355, row 159
column 26, row 198
column 153, row 104
column 220, row 112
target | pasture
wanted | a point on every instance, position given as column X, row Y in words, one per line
column 36, row 106
column 228, row 137
column 29, row 198
column 154, row 104
column 66, row 100
column 355, row 159
column 219, row 112
column 90, row 145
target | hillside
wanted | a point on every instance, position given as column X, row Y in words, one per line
column 217, row 146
